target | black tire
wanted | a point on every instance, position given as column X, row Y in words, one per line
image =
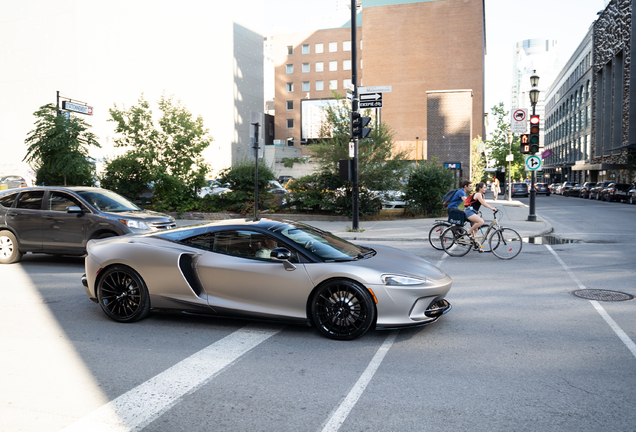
column 435, row 235
column 122, row 294
column 505, row 243
column 455, row 241
column 342, row 309
column 9, row 251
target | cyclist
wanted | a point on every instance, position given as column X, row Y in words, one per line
column 473, row 204
column 459, row 197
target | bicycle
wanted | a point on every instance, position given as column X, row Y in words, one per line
column 504, row 243
column 435, row 234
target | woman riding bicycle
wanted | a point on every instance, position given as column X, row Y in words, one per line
column 473, row 204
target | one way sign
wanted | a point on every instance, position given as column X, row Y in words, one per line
column 371, row 100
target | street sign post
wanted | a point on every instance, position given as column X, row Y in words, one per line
column 533, row 163
column 518, row 120
column 82, row 109
column 370, row 100
column 375, row 89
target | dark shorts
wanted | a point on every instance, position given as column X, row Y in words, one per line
column 469, row 212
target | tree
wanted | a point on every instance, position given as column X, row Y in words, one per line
column 428, row 182
column 498, row 146
column 169, row 156
column 58, row 149
column 477, row 160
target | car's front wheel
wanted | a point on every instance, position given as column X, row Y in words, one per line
column 9, row 252
column 342, row 309
column 122, row 294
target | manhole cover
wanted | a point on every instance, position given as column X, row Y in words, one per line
column 603, row 295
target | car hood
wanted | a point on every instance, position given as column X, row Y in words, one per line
column 391, row 260
column 145, row 215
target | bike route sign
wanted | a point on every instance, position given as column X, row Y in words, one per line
column 533, row 163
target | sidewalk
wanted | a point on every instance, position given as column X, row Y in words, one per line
column 513, row 214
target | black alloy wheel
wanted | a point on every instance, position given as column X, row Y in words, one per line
column 123, row 295
column 9, row 252
column 342, row 309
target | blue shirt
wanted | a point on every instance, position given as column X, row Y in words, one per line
column 457, row 199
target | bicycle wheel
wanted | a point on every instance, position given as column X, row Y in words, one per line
column 505, row 243
column 435, row 235
column 455, row 241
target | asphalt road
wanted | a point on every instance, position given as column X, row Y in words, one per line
column 518, row 351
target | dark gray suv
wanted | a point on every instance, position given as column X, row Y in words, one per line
column 60, row 220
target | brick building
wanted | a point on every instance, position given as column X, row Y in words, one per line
column 414, row 46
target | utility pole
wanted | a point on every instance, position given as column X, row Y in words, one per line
column 256, row 148
column 354, row 110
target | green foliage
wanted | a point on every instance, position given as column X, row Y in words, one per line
column 426, row 186
column 127, row 175
column 169, row 156
column 477, row 161
column 289, row 162
column 58, row 149
column 498, row 146
column 240, row 198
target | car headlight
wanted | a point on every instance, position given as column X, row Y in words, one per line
column 401, row 280
column 132, row 223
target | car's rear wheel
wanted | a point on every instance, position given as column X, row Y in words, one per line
column 342, row 309
column 122, row 294
column 9, row 252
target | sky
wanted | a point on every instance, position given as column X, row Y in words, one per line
column 507, row 22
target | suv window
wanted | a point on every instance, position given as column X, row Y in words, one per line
column 7, row 200
column 30, row 200
column 58, row 201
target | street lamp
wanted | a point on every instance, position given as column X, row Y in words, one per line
column 534, row 98
column 509, row 165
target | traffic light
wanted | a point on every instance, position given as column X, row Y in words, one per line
column 525, row 144
column 533, row 139
column 358, row 123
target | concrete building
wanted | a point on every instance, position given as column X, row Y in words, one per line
column 568, row 122
column 414, row 46
column 107, row 53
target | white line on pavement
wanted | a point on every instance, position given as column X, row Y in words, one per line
column 619, row 332
column 137, row 408
column 336, row 420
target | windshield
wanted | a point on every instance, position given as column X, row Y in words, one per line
column 325, row 245
column 108, row 201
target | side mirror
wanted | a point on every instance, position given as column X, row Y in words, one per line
column 74, row 209
column 283, row 255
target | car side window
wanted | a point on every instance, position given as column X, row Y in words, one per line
column 58, row 201
column 7, row 200
column 247, row 244
column 201, row 241
column 30, row 200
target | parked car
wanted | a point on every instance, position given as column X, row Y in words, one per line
column 631, row 195
column 61, row 220
column 12, row 182
column 542, row 188
column 519, row 189
column 553, row 187
column 615, row 192
column 284, row 179
column 564, row 186
column 585, row 189
column 270, row 269
column 213, row 187
column 575, row 190
column 595, row 192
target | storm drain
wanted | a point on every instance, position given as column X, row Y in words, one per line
column 603, row 295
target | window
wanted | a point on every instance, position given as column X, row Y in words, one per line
column 248, row 244
column 347, row 83
column 30, row 200
column 306, row 86
column 346, row 46
column 290, row 105
column 306, row 49
column 58, row 201
column 7, row 200
column 333, row 84
column 333, row 65
column 290, row 50
column 320, row 66
column 320, row 85
column 290, row 87
column 319, row 48
column 290, row 123
column 290, row 69
column 306, row 68
column 333, row 46
column 346, row 65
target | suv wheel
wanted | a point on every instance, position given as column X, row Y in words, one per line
column 9, row 252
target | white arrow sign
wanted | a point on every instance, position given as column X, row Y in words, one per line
column 533, row 163
column 374, row 96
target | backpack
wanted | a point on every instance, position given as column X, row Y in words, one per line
column 470, row 200
column 448, row 197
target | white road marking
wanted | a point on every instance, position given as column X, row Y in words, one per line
column 137, row 408
column 338, row 417
column 619, row 332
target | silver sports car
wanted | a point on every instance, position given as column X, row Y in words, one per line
column 265, row 269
